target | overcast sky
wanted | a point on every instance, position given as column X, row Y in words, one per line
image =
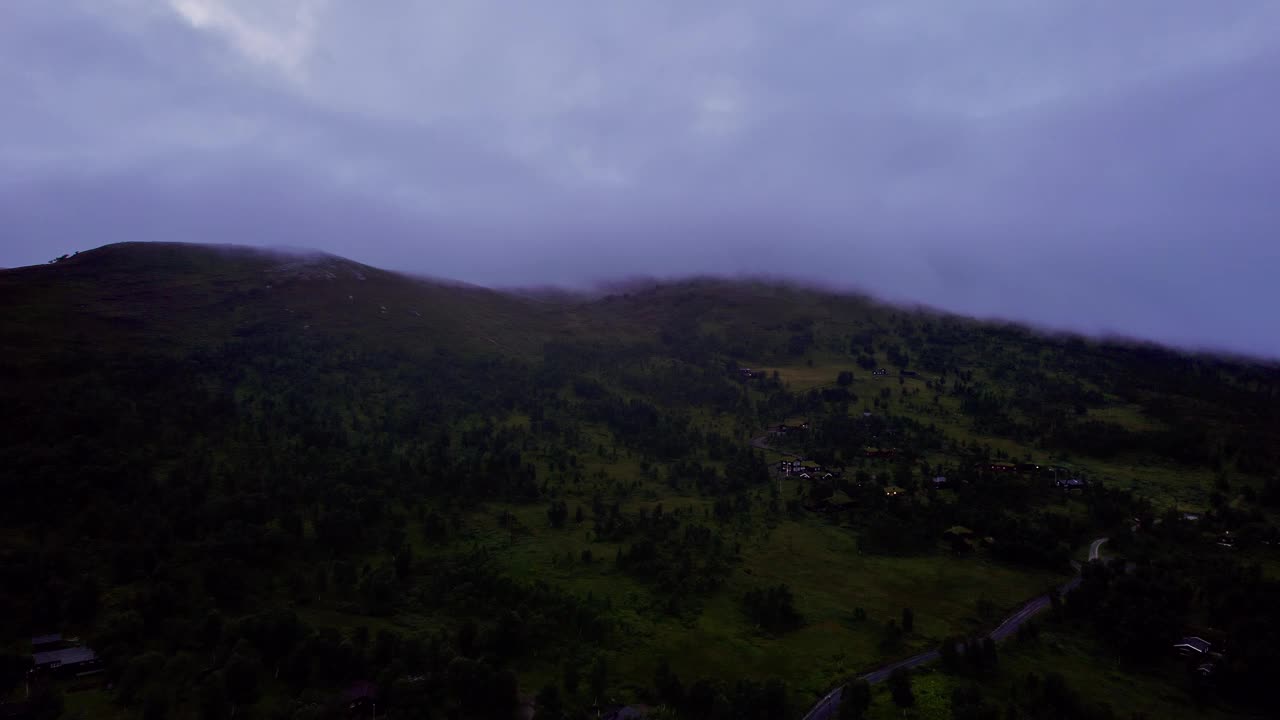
column 1102, row 166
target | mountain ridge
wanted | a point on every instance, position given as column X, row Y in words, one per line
column 245, row 268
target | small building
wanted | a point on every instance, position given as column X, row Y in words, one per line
column 879, row 372
column 872, row 452
column 1193, row 646
column 77, row 660
column 44, row 643
column 790, row 467
column 940, row 482
column 1071, row 484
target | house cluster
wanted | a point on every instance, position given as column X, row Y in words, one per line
column 54, row 655
column 808, row 470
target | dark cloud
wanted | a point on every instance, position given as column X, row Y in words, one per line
column 1093, row 166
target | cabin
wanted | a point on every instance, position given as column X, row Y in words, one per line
column 879, row 372
column 52, row 654
column 43, row 643
column 1193, row 646
column 1071, row 484
column 73, row 661
column 799, row 467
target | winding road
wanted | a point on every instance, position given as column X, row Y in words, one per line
column 829, row 705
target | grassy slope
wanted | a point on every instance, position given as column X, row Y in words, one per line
column 820, row 562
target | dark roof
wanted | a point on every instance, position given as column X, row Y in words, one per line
column 66, row 656
column 1198, row 644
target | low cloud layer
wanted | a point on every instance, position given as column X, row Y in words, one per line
column 1106, row 167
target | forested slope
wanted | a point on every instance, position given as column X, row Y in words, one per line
column 250, row 479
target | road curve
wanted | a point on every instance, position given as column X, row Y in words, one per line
column 829, row 705
column 761, row 442
column 1094, row 546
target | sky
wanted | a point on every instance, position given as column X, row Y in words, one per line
column 1106, row 167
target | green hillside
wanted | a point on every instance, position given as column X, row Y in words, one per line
column 249, row 479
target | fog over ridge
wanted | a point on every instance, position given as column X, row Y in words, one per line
column 1103, row 168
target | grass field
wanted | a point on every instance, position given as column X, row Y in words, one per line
column 819, row 561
